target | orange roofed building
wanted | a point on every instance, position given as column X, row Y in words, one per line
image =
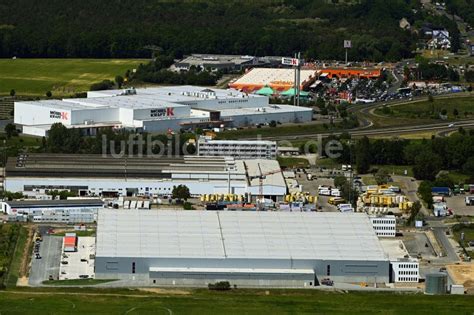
column 372, row 73
column 279, row 79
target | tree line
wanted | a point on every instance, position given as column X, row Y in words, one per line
column 427, row 157
column 125, row 29
column 114, row 142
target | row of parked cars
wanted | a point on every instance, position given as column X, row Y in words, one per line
column 36, row 249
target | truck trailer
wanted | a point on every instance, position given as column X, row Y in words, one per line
column 441, row 191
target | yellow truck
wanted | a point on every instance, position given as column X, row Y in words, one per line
column 336, row 201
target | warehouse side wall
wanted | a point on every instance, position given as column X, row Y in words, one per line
column 337, row 270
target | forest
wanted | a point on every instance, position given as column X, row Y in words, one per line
column 427, row 157
column 125, row 28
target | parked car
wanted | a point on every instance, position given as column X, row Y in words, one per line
column 327, row 281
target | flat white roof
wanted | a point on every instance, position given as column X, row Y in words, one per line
column 394, row 248
column 56, row 104
column 123, row 101
column 237, row 234
column 270, row 109
column 216, row 59
column 237, row 142
column 269, row 169
column 181, row 93
column 158, row 97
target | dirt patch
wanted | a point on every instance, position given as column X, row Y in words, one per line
column 165, row 291
column 462, row 274
column 26, row 256
column 22, row 282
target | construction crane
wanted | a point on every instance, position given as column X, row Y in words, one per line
column 261, row 177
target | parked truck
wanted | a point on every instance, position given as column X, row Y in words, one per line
column 442, row 191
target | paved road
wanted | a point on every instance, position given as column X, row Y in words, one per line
column 50, row 251
column 467, row 124
column 411, row 188
column 440, row 234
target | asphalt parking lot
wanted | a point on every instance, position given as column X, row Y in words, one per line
column 311, row 186
column 80, row 263
column 415, row 243
column 458, row 205
column 41, row 269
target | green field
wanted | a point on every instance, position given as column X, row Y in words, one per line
column 291, row 162
column 233, row 302
column 425, row 109
column 78, row 233
column 468, row 231
column 34, row 77
column 12, row 241
column 395, row 169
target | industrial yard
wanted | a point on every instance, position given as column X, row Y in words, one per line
column 307, row 191
column 282, row 157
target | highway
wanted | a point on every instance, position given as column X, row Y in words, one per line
column 360, row 132
column 366, row 128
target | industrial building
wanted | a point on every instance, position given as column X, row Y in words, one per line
column 274, row 249
column 384, row 225
column 212, row 62
column 161, row 109
column 362, row 73
column 54, row 211
column 403, row 268
column 278, row 79
column 70, row 242
column 238, row 149
column 96, row 175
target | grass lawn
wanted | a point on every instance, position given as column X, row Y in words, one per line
column 23, row 140
column 424, row 109
column 328, row 163
column 232, row 302
column 396, row 169
column 76, row 282
column 291, row 162
column 78, row 233
column 369, row 180
column 17, row 255
column 468, row 231
column 409, row 136
column 33, row 77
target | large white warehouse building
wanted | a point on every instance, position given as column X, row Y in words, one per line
column 277, row 249
column 96, row 175
column 155, row 110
